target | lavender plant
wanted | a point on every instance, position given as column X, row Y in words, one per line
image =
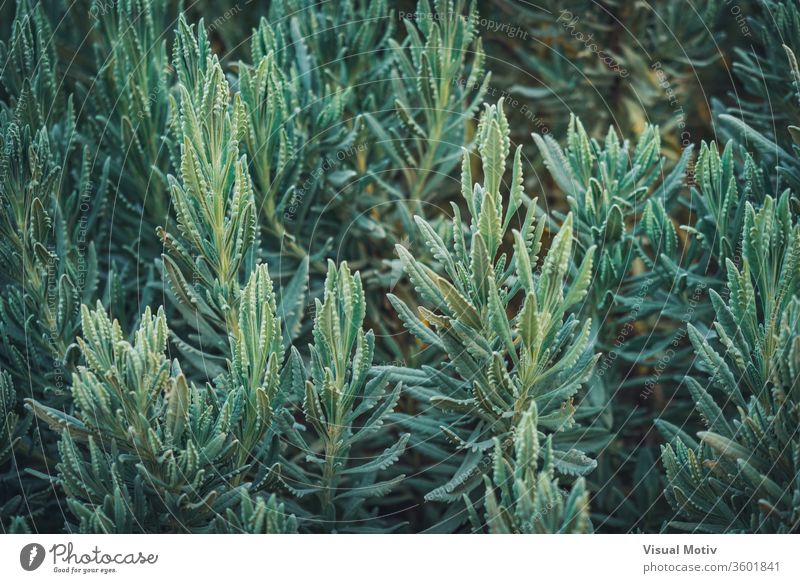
column 273, row 270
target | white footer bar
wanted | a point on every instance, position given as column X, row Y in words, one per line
column 401, row 558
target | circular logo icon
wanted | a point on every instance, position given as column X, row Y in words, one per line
column 31, row 556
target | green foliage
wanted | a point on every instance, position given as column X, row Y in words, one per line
column 272, row 143
column 141, row 428
column 444, row 55
column 29, row 71
column 12, row 430
column 765, row 115
column 618, row 194
column 742, row 476
column 343, row 408
column 49, row 214
column 521, row 498
column 497, row 364
column 266, row 516
column 10, row 420
column 215, row 208
column 251, row 173
column 609, row 187
column 299, row 117
column 130, row 95
column 51, row 203
column 214, row 203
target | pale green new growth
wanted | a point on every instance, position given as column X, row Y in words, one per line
column 523, row 495
column 343, row 408
column 500, row 358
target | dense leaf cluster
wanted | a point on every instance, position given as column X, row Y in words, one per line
column 281, row 269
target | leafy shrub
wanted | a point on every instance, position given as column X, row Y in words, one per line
column 497, row 365
column 282, row 269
